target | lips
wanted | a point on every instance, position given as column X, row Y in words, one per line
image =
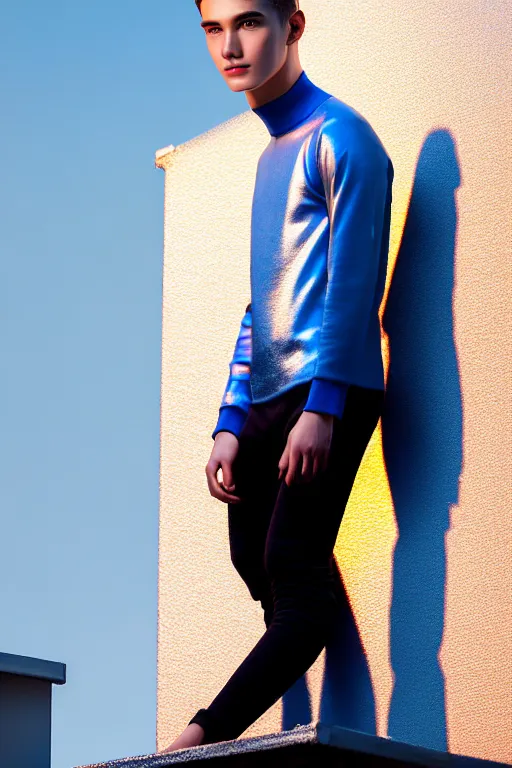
column 237, row 66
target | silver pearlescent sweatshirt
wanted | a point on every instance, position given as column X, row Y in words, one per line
column 320, row 227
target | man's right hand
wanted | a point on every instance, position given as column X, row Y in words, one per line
column 225, row 449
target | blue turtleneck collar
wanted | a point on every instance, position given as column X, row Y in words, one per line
column 292, row 107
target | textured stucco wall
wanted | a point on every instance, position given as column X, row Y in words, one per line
column 425, row 544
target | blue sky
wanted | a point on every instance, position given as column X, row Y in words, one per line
column 89, row 91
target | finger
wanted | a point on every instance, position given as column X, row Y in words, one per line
column 228, row 498
column 283, row 461
column 227, row 476
column 292, row 467
column 313, row 466
column 305, row 475
column 224, row 496
column 215, row 488
column 316, row 465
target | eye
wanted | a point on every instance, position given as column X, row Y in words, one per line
column 255, row 22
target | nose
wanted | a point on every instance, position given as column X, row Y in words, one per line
column 231, row 48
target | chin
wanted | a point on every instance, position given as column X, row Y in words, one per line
column 237, row 85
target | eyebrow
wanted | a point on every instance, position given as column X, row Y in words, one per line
column 238, row 17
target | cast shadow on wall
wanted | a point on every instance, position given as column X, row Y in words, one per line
column 422, row 446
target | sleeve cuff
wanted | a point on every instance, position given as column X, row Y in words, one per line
column 231, row 419
column 327, row 396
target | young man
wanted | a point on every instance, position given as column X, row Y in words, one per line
column 306, row 382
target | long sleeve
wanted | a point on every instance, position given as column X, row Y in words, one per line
column 237, row 396
column 356, row 175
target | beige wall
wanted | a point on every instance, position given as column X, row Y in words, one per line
column 434, row 81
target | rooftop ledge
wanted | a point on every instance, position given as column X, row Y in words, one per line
column 27, row 666
column 305, row 746
column 161, row 154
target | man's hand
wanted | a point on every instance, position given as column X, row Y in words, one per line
column 308, row 443
column 225, row 448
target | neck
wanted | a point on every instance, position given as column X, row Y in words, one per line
column 292, row 107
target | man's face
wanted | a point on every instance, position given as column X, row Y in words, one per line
column 244, row 32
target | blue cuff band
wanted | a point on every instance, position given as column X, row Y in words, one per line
column 327, row 397
column 231, row 419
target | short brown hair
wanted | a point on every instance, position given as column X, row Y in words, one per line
column 283, row 8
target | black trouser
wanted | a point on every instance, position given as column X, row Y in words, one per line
column 281, row 541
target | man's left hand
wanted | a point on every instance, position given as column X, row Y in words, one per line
column 307, row 448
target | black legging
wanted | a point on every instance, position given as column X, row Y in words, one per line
column 281, row 541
